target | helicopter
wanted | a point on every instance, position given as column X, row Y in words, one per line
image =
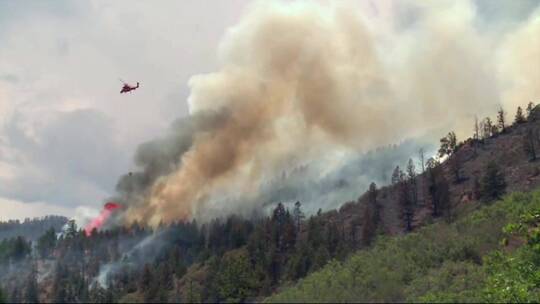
column 127, row 87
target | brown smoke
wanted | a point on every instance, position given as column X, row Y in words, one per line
column 298, row 80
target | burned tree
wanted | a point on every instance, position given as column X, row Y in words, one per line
column 421, row 158
column 488, row 128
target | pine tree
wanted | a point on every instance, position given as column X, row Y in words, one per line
column 405, row 202
column 371, row 216
column 411, row 176
column 493, row 184
column 519, row 116
column 396, row 175
column 298, row 215
column 438, row 189
column 476, row 136
column 530, row 108
column 501, row 120
column 21, row 248
column 46, row 243
column 448, row 144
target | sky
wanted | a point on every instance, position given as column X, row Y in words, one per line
column 66, row 134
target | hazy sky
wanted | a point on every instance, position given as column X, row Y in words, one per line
column 66, row 133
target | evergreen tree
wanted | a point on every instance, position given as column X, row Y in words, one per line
column 21, row 248
column 396, row 175
column 493, row 184
column 530, row 108
column 411, row 176
column 298, row 215
column 476, row 136
column 405, row 202
column 448, row 144
column 519, row 116
column 371, row 216
column 46, row 243
column 438, row 190
column 372, row 199
column 501, row 120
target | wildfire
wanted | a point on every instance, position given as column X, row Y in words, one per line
column 108, row 209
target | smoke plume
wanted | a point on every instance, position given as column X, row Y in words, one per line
column 304, row 88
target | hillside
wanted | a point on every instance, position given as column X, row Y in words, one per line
column 470, row 260
column 506, row 149
column 31, row 229
column 248, row 259
column 407, row 267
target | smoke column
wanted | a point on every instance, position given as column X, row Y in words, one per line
column 306, row 84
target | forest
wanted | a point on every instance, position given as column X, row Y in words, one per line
column 436, row 248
